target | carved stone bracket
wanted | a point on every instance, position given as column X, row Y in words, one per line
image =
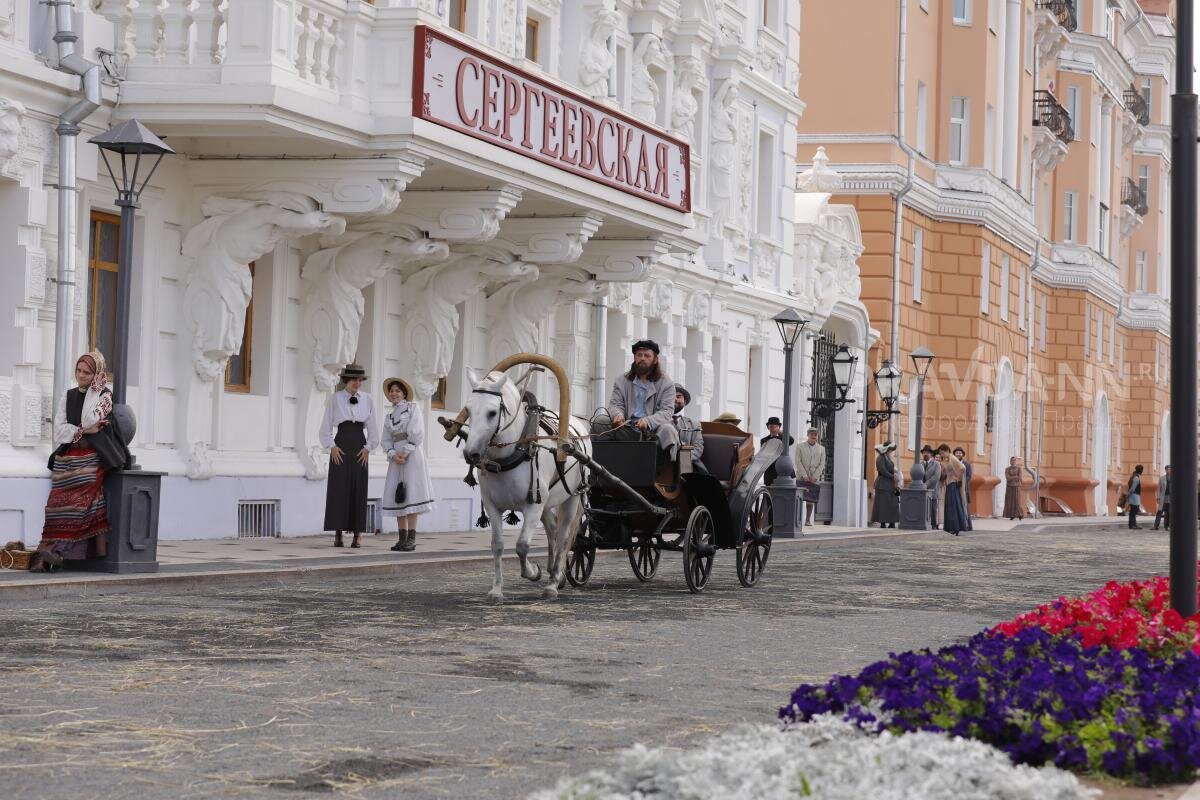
column 11, row 115
column 472, row 215
column 626, row 260
column 1130, row 220
column 657, row 300
column 549, row 240
column 1048, row 150
column 1132, row 131
column 516, row 309
column 1050, row 36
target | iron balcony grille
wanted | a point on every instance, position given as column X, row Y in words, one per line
column 1135, row 101
column 258, row 519
column 1135, row 198
column 1050, row 114
column 1063, row 11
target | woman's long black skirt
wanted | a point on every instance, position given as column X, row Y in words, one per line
column 956, row 518
column 346, row 492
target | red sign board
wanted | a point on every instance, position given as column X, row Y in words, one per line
column 465, row 89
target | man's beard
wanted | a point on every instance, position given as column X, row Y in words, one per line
column 642, row 369
column 678, row 409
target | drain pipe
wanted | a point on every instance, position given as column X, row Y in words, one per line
column 599, row 352
column 902, row 66
column 1031, row 319
column 68, row 199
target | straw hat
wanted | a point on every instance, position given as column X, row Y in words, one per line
column 729, row 417
column 408, row 392
column 885, row 447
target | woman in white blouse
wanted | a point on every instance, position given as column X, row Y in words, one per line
column 350, row 430
column 407, row 492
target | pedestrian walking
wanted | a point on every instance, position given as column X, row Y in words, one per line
column 885, row 508
column 350, row 429
column 1163, row 496
column 1014, row 501
column 774, row 431
column 407, row 490
column 934, row 490
column 961, row 455
column 954, row 515
column 1133, row 497
column 87, row 447
column 810, row 470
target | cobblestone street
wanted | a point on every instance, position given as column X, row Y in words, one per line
column 416, row 687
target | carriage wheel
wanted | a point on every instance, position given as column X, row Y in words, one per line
column 699, row 544
column 756, row 539
column 581, row 557
column 644, row 556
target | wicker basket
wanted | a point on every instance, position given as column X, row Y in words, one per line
column 16, row 559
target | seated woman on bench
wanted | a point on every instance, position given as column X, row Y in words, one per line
column 643, row 402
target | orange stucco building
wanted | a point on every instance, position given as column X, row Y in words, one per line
column 1025, row 147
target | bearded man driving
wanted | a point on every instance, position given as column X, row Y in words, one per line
column 644, row 397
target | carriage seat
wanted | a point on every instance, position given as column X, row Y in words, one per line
column 727, row 451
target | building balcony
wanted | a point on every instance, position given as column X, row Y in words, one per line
column 1135, row 103
column 1048, row 113
column 1063, row 11
column 1134, row 198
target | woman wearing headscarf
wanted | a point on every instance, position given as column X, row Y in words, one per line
column 76, row 511
column 408, row 491
column 350, row 429
column 885, row 509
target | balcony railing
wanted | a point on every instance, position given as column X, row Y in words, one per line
column 1063, row 10
column 1136, row 102
column 1050, row 114
column 1133, row 196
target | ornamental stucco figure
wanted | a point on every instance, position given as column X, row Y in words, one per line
column 643, row 93
column 723, row 154
column 218, row 284
column 516, row 309
column 819, row 177
column 689, row 76
column 596, row 60
column 11, row 113
column 335, row 278
column 431, row 316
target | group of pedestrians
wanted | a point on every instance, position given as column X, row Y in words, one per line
column 1130, row 498
column 946, row 480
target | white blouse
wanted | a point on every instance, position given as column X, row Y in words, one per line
column 339, row 409
column 403, row 429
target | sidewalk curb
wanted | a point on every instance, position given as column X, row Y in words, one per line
column 87, row 585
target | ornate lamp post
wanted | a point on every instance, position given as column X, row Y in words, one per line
column 130, row 141
column 843, row 374
column 133, row 493
column 787, row 509
column 914, row 505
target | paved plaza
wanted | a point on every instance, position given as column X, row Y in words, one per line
column 412, row 685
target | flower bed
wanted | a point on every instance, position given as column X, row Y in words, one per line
column 827, row 759
column 1106, row 683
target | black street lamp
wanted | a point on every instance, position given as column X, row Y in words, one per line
column 131, row 141
column 843, row 375
column 922, row 358
column 914, row 499
column 887, row 384
column 784, row 492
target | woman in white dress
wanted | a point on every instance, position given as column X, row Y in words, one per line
column 407, row 492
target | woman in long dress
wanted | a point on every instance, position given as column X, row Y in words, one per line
column 407, row 492
column 1014, row 501
column 885, row 509
column 954, row 513
column 76, row 511
column 350, row 429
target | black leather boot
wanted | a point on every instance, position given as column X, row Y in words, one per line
column 410, row 542
column 400, row 539
column 337, row 539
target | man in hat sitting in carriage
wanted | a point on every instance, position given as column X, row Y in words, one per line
column 643, row 401
column 687, row 429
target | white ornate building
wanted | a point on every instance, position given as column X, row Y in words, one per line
column 423, row 186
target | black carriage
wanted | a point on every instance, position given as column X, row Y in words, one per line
column 636, row 506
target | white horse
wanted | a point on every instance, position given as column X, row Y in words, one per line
column 496, row 424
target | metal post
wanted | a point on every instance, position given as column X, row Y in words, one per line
column 1183, row 321
column 918, row 467
column 120, row 356
column 787, row 507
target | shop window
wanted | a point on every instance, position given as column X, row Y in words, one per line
column 531, row 38
column 103, row 279
column 237, row 369
column 439, row 395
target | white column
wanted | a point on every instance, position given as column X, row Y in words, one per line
column 999, row 127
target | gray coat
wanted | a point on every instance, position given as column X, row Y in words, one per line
column 933, row 476
column 1135, row 490
column 660, row 407
column 1164, row 490
column 689, row 433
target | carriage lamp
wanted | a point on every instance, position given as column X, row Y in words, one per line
column 139, row 152
column 842, row 365
column 887, row 384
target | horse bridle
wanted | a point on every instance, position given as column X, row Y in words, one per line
column 500, row 426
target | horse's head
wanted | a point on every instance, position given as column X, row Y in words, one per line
column 492, row 405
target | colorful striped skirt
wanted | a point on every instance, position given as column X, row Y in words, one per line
column 76, row 510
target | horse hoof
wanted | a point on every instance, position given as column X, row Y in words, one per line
column 536, row 577
column 496, row 597
column 550, row 593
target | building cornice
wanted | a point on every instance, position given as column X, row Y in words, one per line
column 1155, row 141
column 1095, row 55
column 1079, row 267
column 1145, row 311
